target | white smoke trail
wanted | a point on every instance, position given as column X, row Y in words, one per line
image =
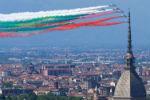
column 30, row 15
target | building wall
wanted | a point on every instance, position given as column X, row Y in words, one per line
column 14, row 92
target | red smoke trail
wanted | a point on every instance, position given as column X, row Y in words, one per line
column 62, row 28
column 88, row 16
column 97, row 15
column 65, row 27
column 74, row 26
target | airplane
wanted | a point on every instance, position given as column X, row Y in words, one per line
column 112, row 5
column 116, row 9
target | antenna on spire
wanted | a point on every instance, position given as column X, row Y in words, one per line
column 129, row 35
column 129, row 55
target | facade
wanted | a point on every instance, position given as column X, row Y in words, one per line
column 14, row 92
column 42, row 91
column 130, row 85
column 56, row 70
column 90, row 81
column 4, row 73
column 31, row 69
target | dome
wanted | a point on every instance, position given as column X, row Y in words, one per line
column 130, row 86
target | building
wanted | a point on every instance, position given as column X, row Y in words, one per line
column 42, row 91
column 90, row 80
column 62, row 69
column 5, row 73
column 130, row 85
column 31, row 69
column 57, row 71
column 14, row 92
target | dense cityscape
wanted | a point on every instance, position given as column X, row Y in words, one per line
column 74, row 50
column 66, row 73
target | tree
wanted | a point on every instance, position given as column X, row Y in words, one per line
column 32, row 96
column 8, row 97
column 7, row 85
column 60, row 98
column 2, row 97
column 43, row 97
column 75, row 98
column 63, row 91
column 50, row 94
column 23, row 97
column 14, row 98
column 148, row 98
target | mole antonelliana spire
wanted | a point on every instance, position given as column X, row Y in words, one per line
column 129, row 55
column 130, row 85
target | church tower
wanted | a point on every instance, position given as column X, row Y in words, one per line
column 130, row 85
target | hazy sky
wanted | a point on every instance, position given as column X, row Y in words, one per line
column 111, row 36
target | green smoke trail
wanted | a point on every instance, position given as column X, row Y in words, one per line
column 30, row 28
column 40, row 19
column 36, row 23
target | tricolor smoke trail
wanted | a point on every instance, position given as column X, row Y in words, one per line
column 22, row 24
column 65, row 27
column 49, row 19
column 52, row 22
column 30, row 15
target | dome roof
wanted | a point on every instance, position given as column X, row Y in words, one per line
column 130, row 86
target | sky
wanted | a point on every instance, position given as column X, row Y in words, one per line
column 109, row 37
